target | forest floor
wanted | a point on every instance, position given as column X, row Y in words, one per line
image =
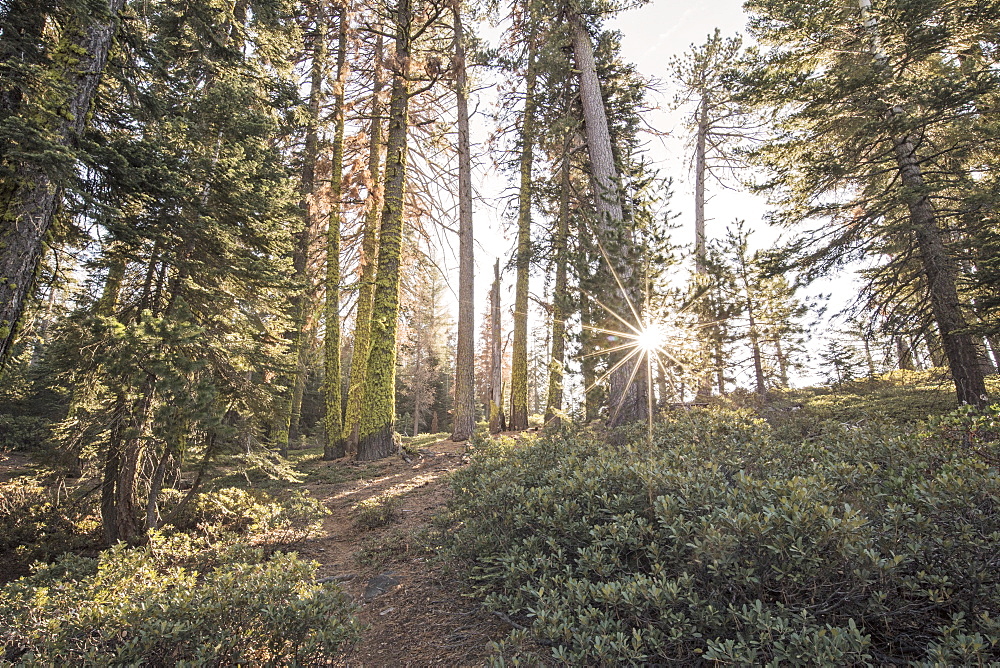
column 411, row 604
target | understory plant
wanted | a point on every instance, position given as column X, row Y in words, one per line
column 717, row 541
column 176, row 601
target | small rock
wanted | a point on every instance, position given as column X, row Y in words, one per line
column 386, row 611
column 379, row 585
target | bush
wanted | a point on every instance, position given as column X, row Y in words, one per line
column 38, row 522
column 22, row 432
column 175, row 600
column 377, row 511
column 864, row 545
column 286, row 519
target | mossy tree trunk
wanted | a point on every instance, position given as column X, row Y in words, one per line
column 369, row 252
column 32, row 195
column 377, row 436
column 333, row 420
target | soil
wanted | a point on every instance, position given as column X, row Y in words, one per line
column 414, row 609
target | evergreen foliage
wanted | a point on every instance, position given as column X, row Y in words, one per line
column 177, row 600
column 725, row 542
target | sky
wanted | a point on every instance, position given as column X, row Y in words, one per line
column 651, row 37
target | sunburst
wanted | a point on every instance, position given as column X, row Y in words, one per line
column 646, row 339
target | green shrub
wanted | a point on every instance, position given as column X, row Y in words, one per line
column 862, row 545
column 22, row 432
column 175, row 600
column 377, row 511
column 38, row 522
column 968, row 427
column 285, row 519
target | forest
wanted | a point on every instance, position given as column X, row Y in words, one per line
column 344, row 333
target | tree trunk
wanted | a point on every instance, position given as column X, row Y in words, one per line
column 312, row 225
column 369, row 260
column 700, row 168
column 35, row 196
column 418, row 381
column 868, row 356
column 377, row 437
column 758, row 366
column 464, row 421
column 627, row 400
column 120, row 510
column 959, row 347
column 519, row 354
column 333, row 421
column 904, row 353
column 554, row 400
column 496, row 357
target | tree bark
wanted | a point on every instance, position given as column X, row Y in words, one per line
column 35, row 195
column 497, row 422
column 369, row 260
column 333, row 421
column 701, row 269
column 554, row 399
column 958, row 344
column 377, row 435
column 312, row 225
column 519, row 353
column 464, row 421
column 627, row 395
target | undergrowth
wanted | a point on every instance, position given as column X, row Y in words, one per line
column 866, row 543
column 177, row 600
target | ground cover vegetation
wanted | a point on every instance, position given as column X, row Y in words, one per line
column 726, row 539
column 226, row 234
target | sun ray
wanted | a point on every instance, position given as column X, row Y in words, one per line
column 612, row 312
column 621, row 287
column 614, row 368
column 631, row 379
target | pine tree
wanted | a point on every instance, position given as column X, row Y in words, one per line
column 376, row 436
column 627, row 398
column 465, row 407
column 368, row 261
column 860, row 106
column 333, row 421
column 39, row 157
column 519, row 357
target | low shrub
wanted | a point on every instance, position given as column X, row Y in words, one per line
column 284, row 519
column 723, row 543
column 377, row 511
column 38, row 522
column 176, row 600
column 22, row 432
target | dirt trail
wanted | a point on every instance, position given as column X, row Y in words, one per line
column 413, row 608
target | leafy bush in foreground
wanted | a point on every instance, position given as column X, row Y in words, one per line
column 720, row 542
column 175, row 600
